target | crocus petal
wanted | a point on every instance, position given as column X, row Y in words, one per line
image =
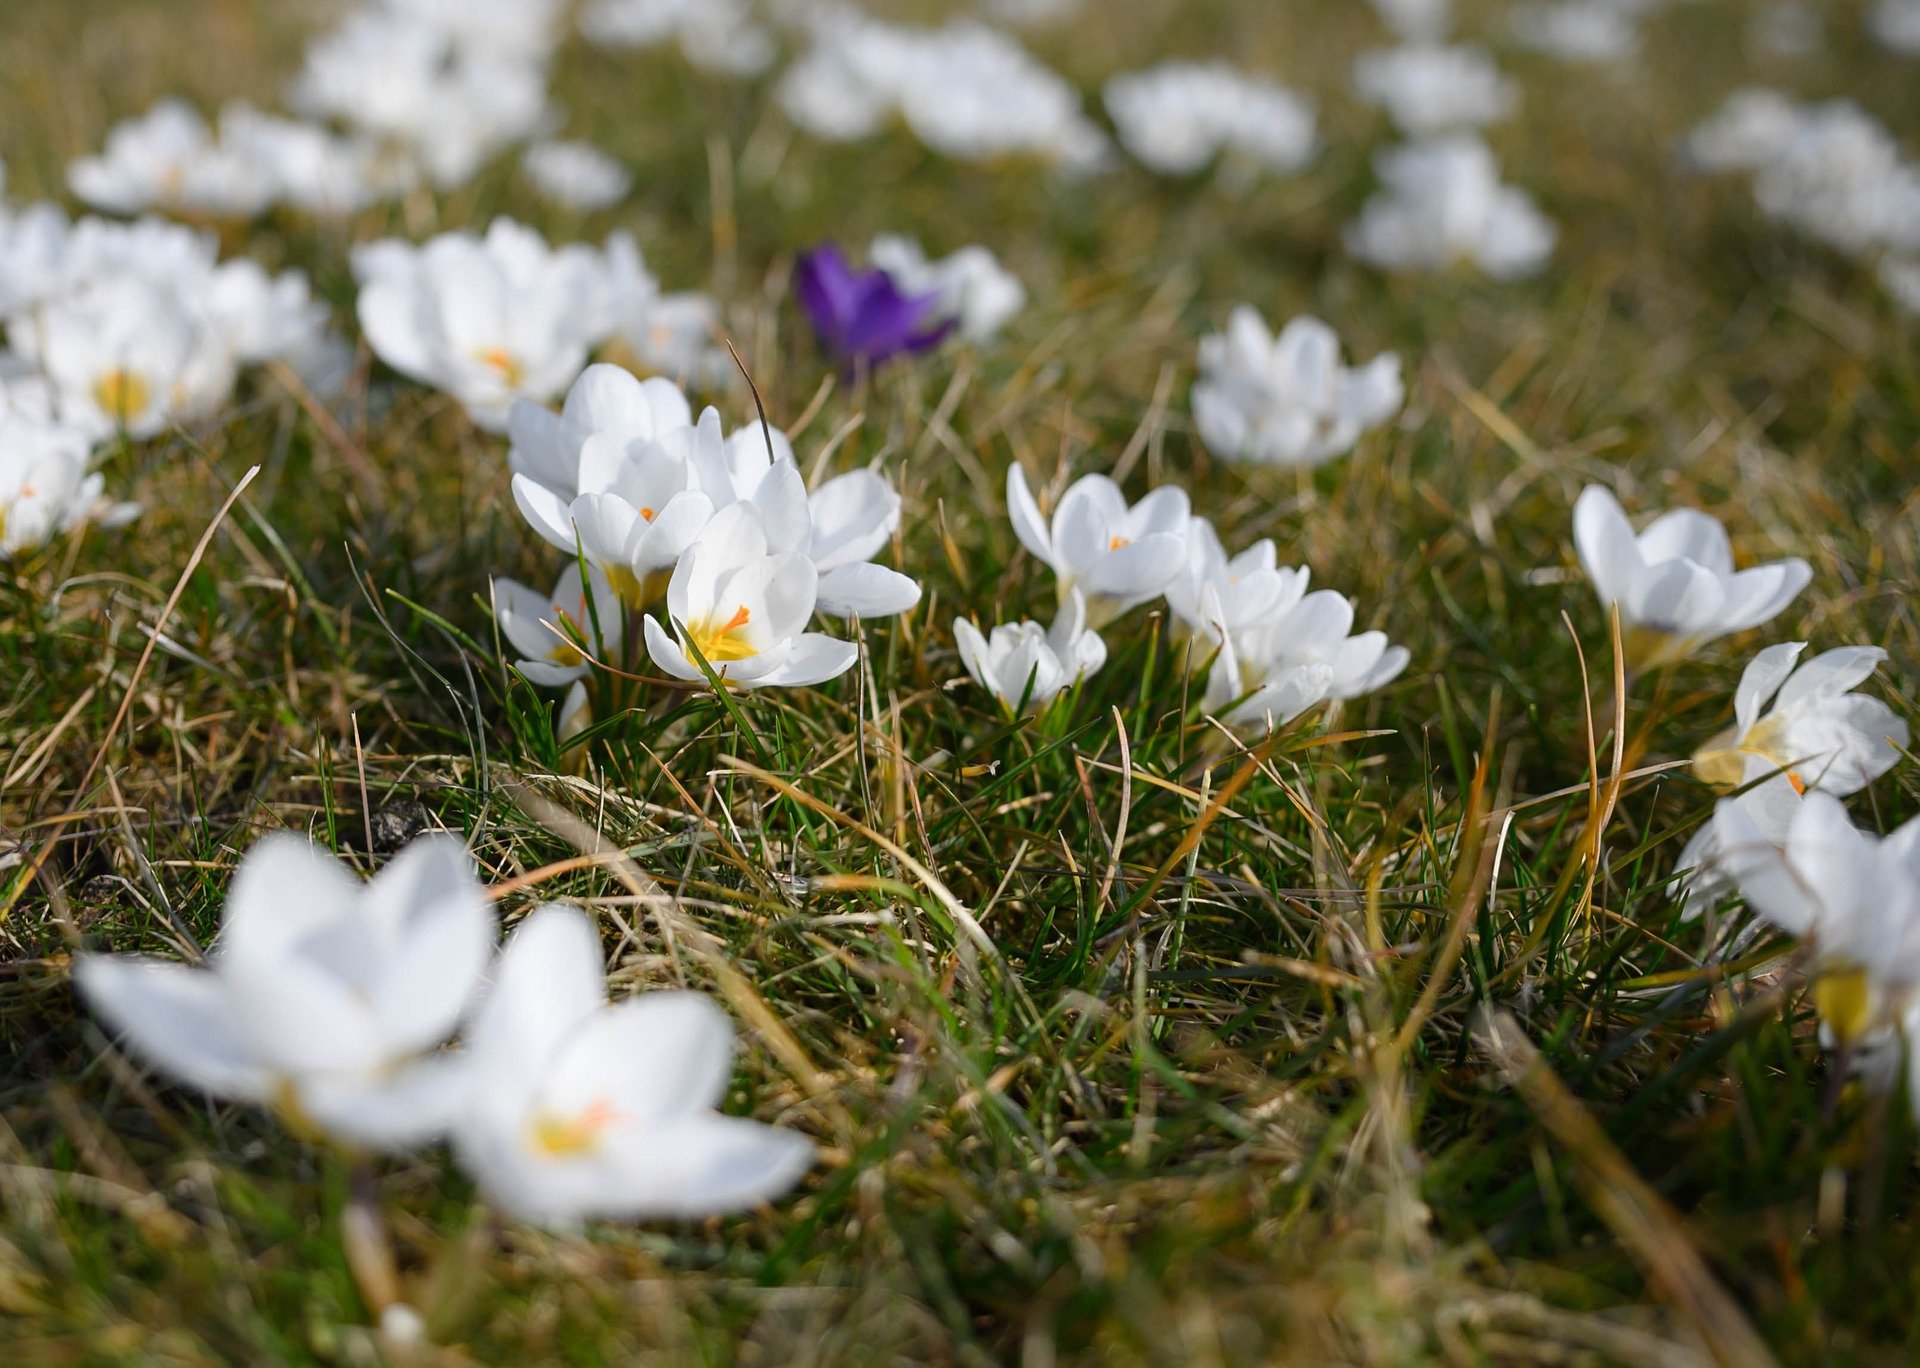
column 1604, row 538
column 706, row 1166
column 1028, row 525
column 177, row 1019
column 1761, row 680
column 866, row 590
column 815, row 658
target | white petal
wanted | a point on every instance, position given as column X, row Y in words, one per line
column 866, row 590
column 176, row 1018
column 1028, row 525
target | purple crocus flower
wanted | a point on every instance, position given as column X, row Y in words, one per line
column 863, row 317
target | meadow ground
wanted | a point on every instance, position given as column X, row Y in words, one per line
column 1123, row 1043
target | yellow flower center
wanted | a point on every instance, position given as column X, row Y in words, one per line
column 1116, row 543
column 122, row 395
column 504, row 364
column 720, row 642
column 638, row 592
column 1846, row 1002
column 564, row 1137
column 1722, row 762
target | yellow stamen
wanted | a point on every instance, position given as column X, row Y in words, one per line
column 122, row 395
column 720, row 643
column 562, row 1137
column 646, row 515
column 501, row 360
column 1115, row 543
column 1845, row 1001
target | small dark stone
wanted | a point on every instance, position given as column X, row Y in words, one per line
column 101, row 890
column 395, row 824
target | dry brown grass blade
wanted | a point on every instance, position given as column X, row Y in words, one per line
column 1651, row 1230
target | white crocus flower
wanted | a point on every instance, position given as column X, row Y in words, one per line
column 1432, row 90
column 555, row 632
column 443, row 106
column 1443, row 205
column 714, row 35
column 323, row 997
column 489, row 320
column 1853, row 896
column 1818, row 730
column 840, row 526
column 1266, row 675
column 1026, row 666
column 45, row 487
column 1288, row 400
column 744, row 608
column 1674, row 583
column 1896, row 25
column 1750, row 129
column 1179, row 116
column 575, row 174
column 124, row 355
column 1817, row 735
column 1118, row 556
column 970, row 285
column 168, row 158
column 1215, row 597
column 583, row 1109
column 1598, row 31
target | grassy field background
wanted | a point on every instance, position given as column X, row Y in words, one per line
column 1204, row 1085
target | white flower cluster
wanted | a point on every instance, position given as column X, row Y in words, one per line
column 1271, row 649
column 1177, row 118
column 721, row 532
column 720, row 36
column 439, row 86
column 169, row 159
column 575, row 174
column 1591, row 31
column 502, row 317
column 334, row 1002
column 126, row 329
column 1431, row 89
column 1442, row 205
column 1830, row 171
column 1801, row 740
column 966, row 90
column 1896, row 26
column 1288, row 399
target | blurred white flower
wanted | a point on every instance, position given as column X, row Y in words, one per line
column 743, row 607
column 1674, row 583
column 409, row 84
column 1266, row 674
column 124, row 355
column 1214, row 596
column 34, row 257
column 1417, row 21
column 1788, row 28
column 1900, row 278
column 1026, row 666
column 1840, row 179
column 487, row 319
column 554, row 633
column 1442, row 205
column 672, row 335
column 168, row 158
column 577, row 175
column 715, row 35
column 966, row 90
column 45, row 487
column 508, row 30
column 1433, row 90
column 1177, row 117
column 323, row 997
column 970, row 285
column 584, row 1109
column 262, row 318
column 1854, row 897
column 1895, row 24
column 1597, row 31
column 1117, row 556
column 314, row 169
column 1749, row 130
column 1288, row 400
